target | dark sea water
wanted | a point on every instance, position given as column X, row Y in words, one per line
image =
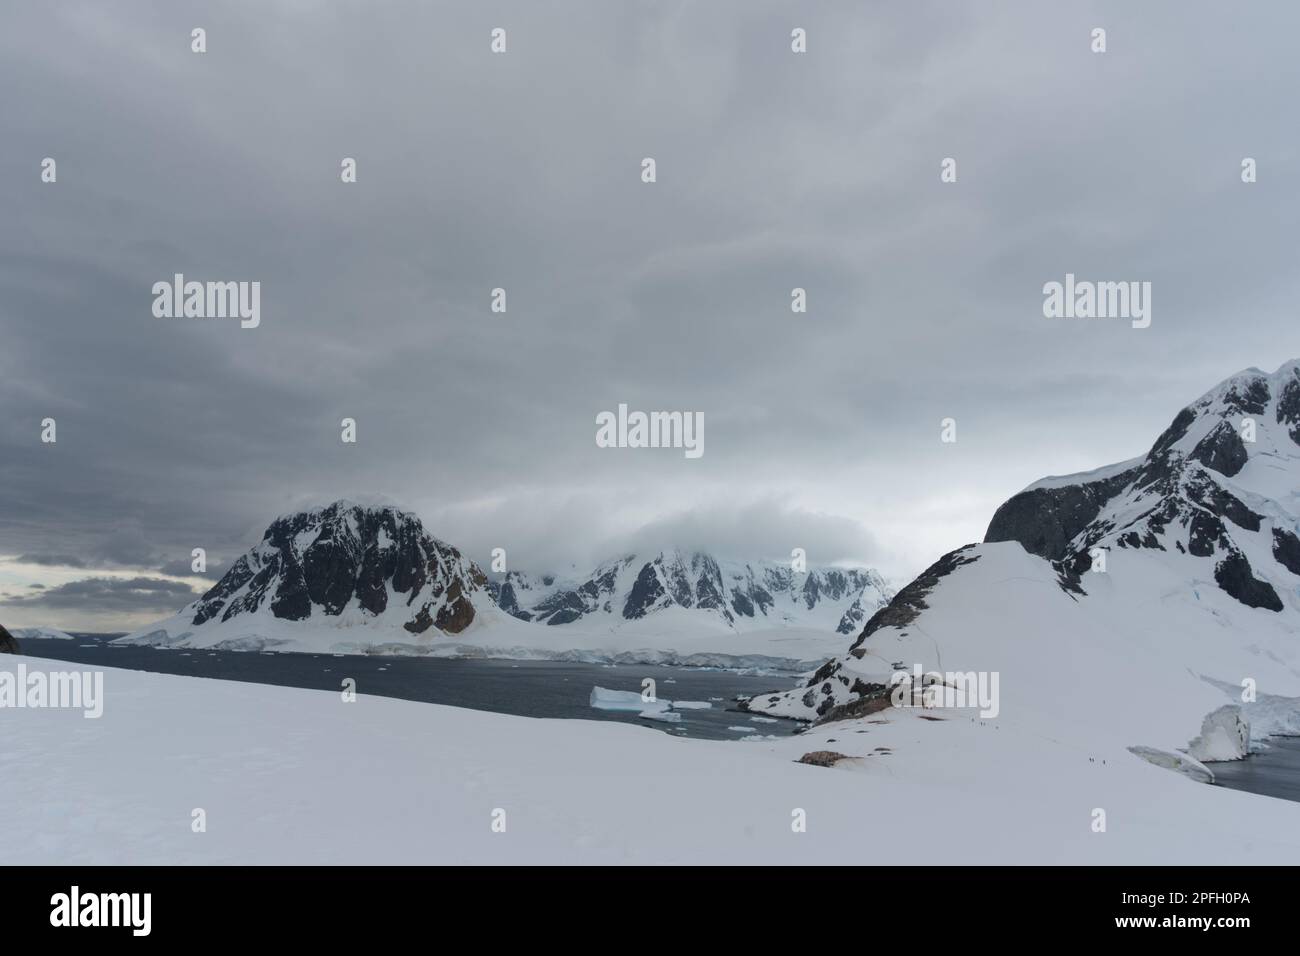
column 525, row 688
column 1275, row 772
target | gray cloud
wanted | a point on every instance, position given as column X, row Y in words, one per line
column 109, row 596
column 522, row 171
column 122, row 547
column 53, row 560
column 544, row 532
column 183, row 567
column 765, row 530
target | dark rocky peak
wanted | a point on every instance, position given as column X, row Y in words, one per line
column 349, row 558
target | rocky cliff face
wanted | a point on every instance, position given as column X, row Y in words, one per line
column 8, row 644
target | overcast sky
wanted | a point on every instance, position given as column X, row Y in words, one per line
column 523, row 171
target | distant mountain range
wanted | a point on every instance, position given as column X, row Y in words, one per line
column 349, row 566
column 744, row 595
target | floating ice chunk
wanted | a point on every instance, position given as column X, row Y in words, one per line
column 42, row 633
column 741, row 730
column 604, row 699
column 667, row 716
column 763, row 720
column 692, row 705
column 1175, row 761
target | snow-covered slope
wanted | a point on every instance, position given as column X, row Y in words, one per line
column 433, row 780
column 342, row 569
column 1198, row 602
column 741, row 596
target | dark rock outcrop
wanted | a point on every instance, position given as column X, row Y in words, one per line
column 1204, row 534
column 1288, row 407
column 1222, row 450
column 646, row 592
column 1045, row 520
column 1235, row 576
column 1286, row 548
column 8, row 643
column 877, row 699
column 822, row 758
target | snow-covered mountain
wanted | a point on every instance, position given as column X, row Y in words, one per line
column 340, row 566
column 743, row 596
column 1144, row 596
column 1221, row 508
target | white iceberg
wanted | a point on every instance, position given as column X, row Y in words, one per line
column 604, row 699
column 40, row 633
column 1225, row 735
column 1181, row 763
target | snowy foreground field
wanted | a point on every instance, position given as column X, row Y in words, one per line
column 296, row 776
